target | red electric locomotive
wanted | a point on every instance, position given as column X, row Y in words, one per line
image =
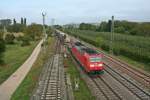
column 90, row 59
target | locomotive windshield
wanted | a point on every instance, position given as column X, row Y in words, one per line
column 95, row 59
column 90, row 51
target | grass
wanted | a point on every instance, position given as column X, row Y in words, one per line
column 25, row 90
column 83, row 93
column 14, row 56
column 135, row 63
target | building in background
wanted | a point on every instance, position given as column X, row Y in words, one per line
column 5, row 22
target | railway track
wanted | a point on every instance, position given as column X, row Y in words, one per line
column 142, row 77
column 54, row 87
column 107, row 91
column 52, row 82
column 91, row 85
column 112, row 85
column 128, row 83
column 120, row 81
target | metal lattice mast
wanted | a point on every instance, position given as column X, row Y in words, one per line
column 111, row 36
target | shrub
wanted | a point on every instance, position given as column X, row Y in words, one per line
column 25, row 41
column 120, row 30
column 10, row 38
column 19, row 38
column 2, row 47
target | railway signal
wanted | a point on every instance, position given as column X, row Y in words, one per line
column 44, row 30
column 44, row 33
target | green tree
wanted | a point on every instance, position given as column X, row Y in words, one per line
column 49, row 31
column 58, row 27
column 14, row 21
column 142, row 29
column 21, row 21
column 103, row 27
column 86, row 26
column 120, row 29
column 25, row 21
column 9, row 38
column 25, row 40
column 2, row 47
column 16, row 28
column 34, row 31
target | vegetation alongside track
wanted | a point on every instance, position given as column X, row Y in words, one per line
column 83, row 93
column 134, row 47
column 24, row 91
column 14, row 56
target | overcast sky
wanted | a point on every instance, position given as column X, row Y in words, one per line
column 75, row 11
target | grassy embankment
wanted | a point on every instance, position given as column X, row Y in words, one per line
column 83, row 93
column 14, row 56
column 24, row 91
column 132, row 49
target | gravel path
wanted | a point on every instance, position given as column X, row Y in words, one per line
column 10, row 85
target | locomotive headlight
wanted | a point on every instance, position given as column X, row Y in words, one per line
column 100, row 64
column 91, row 65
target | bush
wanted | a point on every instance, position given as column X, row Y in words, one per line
column 120, row 30
column 19, row 38
column 105, row 47
column 34, row 31
column 25, row 41
column 10, row 38
column 2, row 49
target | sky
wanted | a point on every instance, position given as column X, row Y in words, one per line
column 75, row 11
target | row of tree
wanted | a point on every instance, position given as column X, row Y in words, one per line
column 86, row 26
column 23, row 21
column 123, row 27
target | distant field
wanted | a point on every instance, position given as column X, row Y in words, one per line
column 135, row 48
column 14, row 57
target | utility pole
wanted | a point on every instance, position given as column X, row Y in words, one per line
column 111, row 36
column 44, row 33
column 44, row 30
column 52, row 24
column 5, row 30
